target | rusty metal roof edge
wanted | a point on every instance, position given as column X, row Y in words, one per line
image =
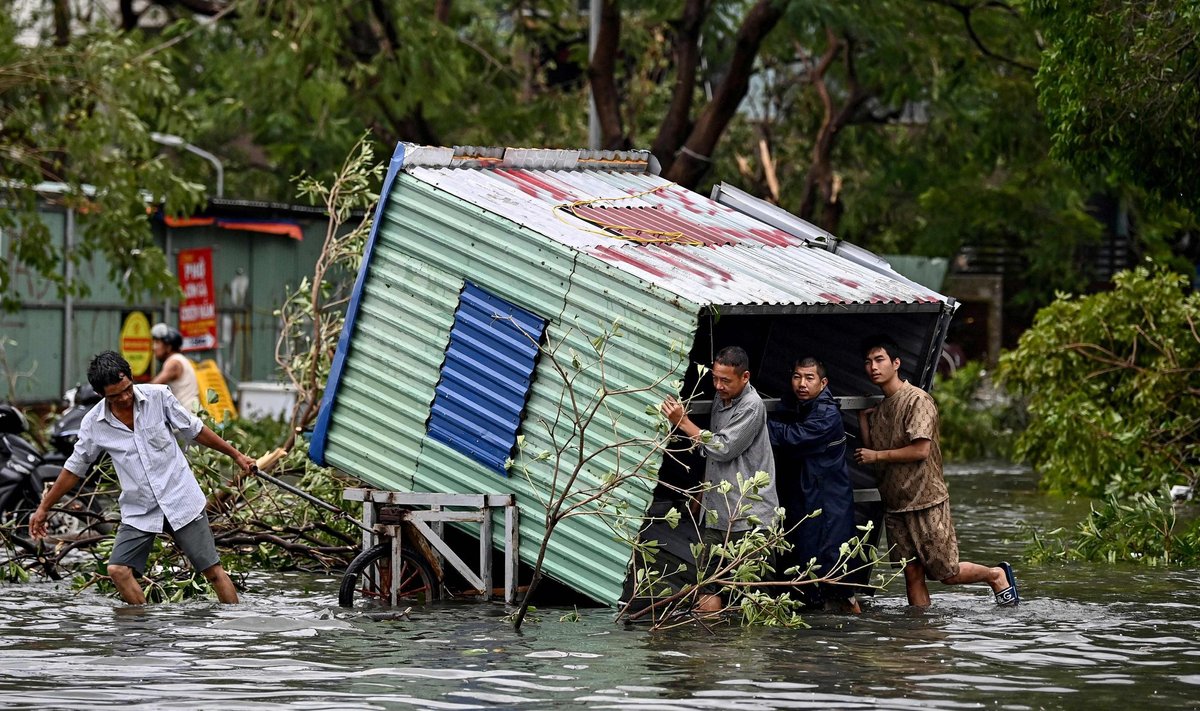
column 484, row 157
column 780, row 218
column 816, row 308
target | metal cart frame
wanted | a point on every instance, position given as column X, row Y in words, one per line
column 427, row 514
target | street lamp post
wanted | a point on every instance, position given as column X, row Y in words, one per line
column 174, row 141
column 168, row 139
column 593, row 39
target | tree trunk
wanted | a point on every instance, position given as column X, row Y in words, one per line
column 602, row 78
column 523, row 608
column 412, row 126
column 129, row 16
column 677, row 122
column 821, row 186
column 695, row 155
column 62, row 22
column 441, row 11
column 383, row 27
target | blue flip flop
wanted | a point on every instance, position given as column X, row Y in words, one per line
column 1008, row 597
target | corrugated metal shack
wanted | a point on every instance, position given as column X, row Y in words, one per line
column 476, row 249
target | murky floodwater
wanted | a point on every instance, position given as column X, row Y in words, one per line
column 1086, row 636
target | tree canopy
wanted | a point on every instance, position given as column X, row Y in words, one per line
column 1113, row 390
column 1113, row 384
column 80, row 116
column 1119, row 83
column 902, row 125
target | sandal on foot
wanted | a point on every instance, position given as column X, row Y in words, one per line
column 1008, row 597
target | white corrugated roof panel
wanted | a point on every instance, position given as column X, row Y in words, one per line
column 667, row 235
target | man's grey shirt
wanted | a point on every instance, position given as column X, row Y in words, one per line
column 156, row 481
column 740, row 444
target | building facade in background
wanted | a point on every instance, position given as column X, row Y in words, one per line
column 254, row 253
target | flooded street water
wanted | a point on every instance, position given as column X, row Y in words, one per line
column 1085, row 636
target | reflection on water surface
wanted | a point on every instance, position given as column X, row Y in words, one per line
column 1086, row 637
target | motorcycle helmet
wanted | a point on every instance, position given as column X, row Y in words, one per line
column 166, row 334
column 12, row 421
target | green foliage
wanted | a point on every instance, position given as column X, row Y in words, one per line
column 1118, row 85
column 977, row 421
column 312, row 315
column 1113, row 387
column 944, row 151
column 296, row 82
column 943, row 144
column 741, row 567
column 12, row 571
column 1144, row 528
column 81, row 115
column 572, row 616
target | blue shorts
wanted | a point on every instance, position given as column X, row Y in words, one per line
column 132, row 547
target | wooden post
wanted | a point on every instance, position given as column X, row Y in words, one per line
column 439, row 528
column 485, row 551
column 397, row 564
column 369, row 538
column 511, row 543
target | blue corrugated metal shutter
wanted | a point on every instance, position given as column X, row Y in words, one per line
column 485, row 377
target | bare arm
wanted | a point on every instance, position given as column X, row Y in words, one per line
column 65, row 482
column 864, row 426
column 914, row 452
column 169, row 372
column 213, row 441
column 675, row 413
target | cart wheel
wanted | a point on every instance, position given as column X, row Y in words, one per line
column 369, row 577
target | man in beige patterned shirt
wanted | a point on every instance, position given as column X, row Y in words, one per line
column 900, row 439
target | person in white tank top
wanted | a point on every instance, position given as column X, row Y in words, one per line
column 177, row 372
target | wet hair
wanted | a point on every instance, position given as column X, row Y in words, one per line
column 735, row 357
column 879, row 342
column 810, row 362
column 107, row 368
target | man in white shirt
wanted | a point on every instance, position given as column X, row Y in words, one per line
column 135, row 425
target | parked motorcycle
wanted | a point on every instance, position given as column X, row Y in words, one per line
column 66, row 429
column 26, row 472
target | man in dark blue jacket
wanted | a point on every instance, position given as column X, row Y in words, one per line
column 810, row 455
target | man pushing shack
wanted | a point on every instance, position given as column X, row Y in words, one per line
column 814, row 483
column 135, row 425
column 739, row 445
column 900, row 438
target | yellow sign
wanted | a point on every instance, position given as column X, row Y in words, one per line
column 135, row 342
column 209, row 377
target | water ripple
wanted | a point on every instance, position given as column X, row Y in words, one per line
column 1080, row 639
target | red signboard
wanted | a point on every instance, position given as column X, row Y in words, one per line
column 198, row 310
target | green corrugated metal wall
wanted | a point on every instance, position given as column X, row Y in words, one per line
column 273, row 263
column 428, row 243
